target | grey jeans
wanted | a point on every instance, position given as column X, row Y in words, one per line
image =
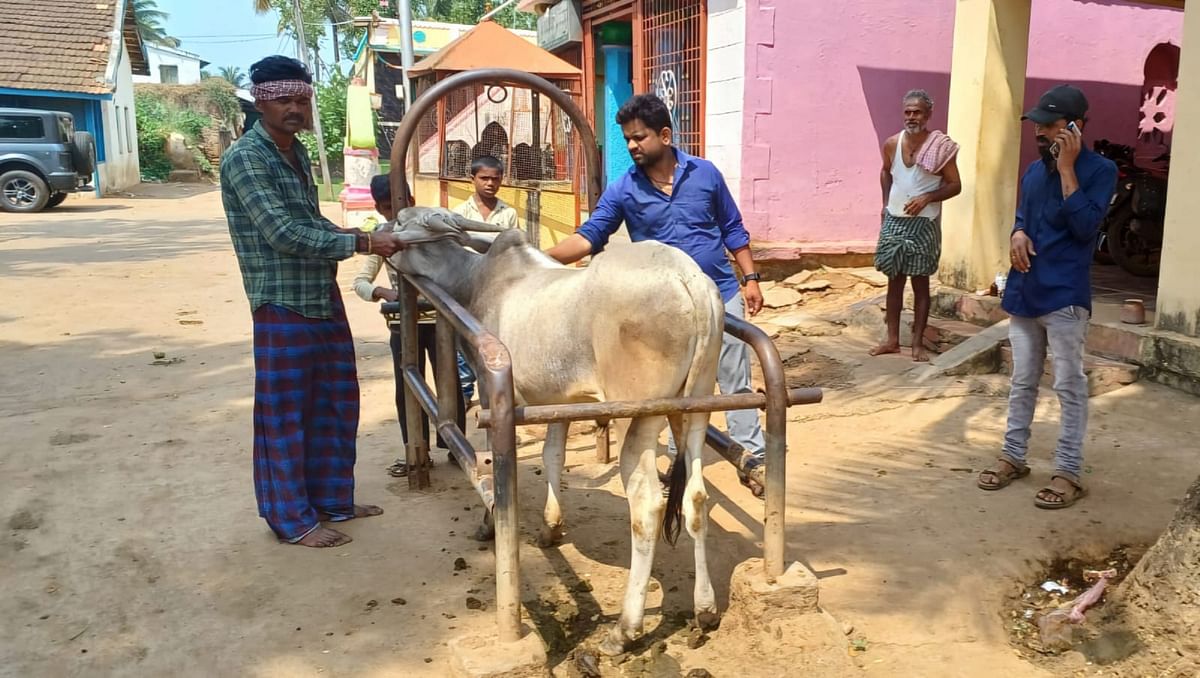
column 1064, row 331
column 733, row 376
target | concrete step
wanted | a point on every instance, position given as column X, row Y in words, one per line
column 1103, row 375
column 965, row 306
column 941, row 334
column 1129, row 343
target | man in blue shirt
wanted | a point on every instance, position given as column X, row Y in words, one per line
column 680, row 200
column 1064, row 198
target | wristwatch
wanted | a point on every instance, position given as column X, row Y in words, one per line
column 751, row 276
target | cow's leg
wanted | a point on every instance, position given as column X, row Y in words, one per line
column 487, row 529
column 646, row 507
column 695, row 517
column 553, row 454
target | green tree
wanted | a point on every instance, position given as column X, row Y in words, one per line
column 234, row 75
column 469, row 12
column 150, row 23
column 334, row 15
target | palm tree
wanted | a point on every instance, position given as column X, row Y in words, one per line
column 234, row 76
column 150, row 23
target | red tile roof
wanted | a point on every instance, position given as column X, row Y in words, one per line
column 65, row 45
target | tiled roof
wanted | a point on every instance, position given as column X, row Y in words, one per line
column 64, row 45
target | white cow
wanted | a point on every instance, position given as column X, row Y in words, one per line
column 641, row 321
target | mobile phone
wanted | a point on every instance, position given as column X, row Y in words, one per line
column 1054, row 146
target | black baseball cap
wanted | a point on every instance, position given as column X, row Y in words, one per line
column 1061, row 102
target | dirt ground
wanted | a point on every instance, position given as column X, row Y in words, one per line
column 130, row 545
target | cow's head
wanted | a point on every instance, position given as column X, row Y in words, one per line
column 435, row 238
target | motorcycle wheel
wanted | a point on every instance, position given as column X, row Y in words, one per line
column 1129, row 249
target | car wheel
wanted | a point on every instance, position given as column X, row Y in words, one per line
column 56, row 200
column 22, row 191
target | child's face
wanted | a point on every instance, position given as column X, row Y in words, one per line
column 385, row 209
column 487, row 182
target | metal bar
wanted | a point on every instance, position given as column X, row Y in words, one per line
column 774, row 520
column 482, row 481
column 629, row 409
column 416, row 448
column 420, row 390
column 603, row 441
column 496, row 377
column 740, row 457
column 445, row 374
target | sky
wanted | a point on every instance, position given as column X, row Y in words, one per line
column 228, row 32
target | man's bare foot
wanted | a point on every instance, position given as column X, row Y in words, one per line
column 885, row 348
column 360, row 511
column 324, row 538
column 920, row 355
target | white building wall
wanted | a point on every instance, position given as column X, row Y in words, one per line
column 120, row 169
column 157, row 55
column 723, row 100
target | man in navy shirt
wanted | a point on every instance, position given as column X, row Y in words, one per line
column 680, row 200
column 1064, row 198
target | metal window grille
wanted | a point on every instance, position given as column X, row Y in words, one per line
column 673, row 64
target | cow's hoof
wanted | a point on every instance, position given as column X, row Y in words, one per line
column 485, row 532
column 550, row 536
column 707, row 621
column 614, row 642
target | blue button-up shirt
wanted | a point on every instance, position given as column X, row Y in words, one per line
column 1063, row 233
column 699, row 217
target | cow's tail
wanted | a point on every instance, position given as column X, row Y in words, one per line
column 709, row 319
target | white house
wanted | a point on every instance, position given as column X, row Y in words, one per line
column 79, row 58
column 171, row 66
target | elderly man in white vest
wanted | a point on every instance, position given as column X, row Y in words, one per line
column 919, row 172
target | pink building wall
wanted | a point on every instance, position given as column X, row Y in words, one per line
column 824, row 82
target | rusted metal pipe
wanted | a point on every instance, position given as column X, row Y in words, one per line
column 775, row 385
column 445, row 373
column 740, row 457
column 494, row 76
column 416, row 448
column 481, row 478
column 496, row 377
column 420, row 390
column 629, row 409
column 603, row 439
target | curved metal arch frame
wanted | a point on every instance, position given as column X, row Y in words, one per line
column 492, row 76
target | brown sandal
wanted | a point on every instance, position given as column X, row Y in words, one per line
column 1001, row 480
column 1063, row 501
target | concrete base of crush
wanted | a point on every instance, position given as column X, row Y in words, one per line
column 478, row 657
column 754, row 599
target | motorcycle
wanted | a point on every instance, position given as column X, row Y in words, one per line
column 1132, row 231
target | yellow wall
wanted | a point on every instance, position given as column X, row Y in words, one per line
column 987, row 87
column 557, row 219
column 1179, row 280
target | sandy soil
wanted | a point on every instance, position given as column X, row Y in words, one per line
column 130, row 545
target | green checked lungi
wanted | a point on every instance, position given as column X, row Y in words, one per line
column 908, row 246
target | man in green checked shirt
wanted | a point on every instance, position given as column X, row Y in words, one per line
column 305, row 379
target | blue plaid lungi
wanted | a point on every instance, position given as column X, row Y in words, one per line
column 305, row 418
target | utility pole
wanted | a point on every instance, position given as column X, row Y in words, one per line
column 302, row 49
column 404, row 10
